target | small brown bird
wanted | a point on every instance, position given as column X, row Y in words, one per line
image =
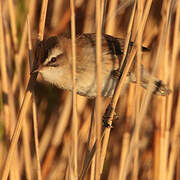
column 56, row 65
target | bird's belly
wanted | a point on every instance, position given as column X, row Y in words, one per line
column 107, row 88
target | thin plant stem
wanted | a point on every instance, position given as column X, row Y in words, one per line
column 138, row 85
column 35, row 124
column 75, row 119
column 174, row 146
column 98, row 90
column 6, row 108
column 13, row 23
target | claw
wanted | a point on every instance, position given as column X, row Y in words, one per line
column 115, row 74
column 106, row 124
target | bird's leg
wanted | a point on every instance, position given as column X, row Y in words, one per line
column 116, row 74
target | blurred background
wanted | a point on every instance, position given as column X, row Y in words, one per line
column 157, row 155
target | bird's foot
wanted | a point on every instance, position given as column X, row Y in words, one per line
column 106, row 122
column 116, row 74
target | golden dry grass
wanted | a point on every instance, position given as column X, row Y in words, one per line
column 61, row 136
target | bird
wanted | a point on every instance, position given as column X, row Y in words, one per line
column 55, row 65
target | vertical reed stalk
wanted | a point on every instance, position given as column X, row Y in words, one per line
column 13, row 23
column 174, row 145
column 34, row 108
column 140, row 5
column 75, row 119
column 4, row 75
column 111, row 23
column 98, row 89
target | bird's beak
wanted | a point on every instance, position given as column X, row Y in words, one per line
column 35, row 70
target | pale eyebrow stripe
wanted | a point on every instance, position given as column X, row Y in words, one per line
column 54, row 53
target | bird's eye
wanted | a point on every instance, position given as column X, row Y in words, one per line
column 53, row 59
